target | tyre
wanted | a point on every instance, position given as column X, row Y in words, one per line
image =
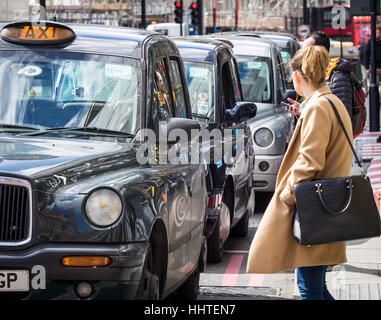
column 149, row 287
column 219, row 235
column 190, row 288
column 241, row 229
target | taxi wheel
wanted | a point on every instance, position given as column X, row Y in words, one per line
column 241, row 229
column 190, row 288
column 217, row 239
column 215, row 247
column 149, row 287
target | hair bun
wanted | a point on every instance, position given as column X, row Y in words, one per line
column 312, row 62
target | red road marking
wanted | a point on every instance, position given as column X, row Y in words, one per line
column 232, row 270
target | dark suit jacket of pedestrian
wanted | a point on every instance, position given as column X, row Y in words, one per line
column 378, row 55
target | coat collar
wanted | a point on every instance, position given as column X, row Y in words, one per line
column 317, row 93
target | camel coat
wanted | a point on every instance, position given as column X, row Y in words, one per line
column 318, row 150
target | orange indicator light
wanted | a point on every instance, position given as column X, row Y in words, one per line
column 85, row 261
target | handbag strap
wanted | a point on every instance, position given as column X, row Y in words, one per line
column 348, row 139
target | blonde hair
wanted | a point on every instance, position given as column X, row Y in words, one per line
column 312, row 63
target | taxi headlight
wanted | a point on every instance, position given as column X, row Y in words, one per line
column 103, row 207
column 263, row 137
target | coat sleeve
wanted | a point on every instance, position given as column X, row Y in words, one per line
column 314, row 134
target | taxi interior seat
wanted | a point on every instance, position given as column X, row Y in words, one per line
column 74, row 113
column 41, row 112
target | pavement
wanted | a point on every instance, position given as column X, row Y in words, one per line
column 360, row 277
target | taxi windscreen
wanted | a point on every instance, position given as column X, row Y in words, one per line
column 255, row 74
column 45, row 89
column 200, row 79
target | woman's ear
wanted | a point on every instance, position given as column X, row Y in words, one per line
column 296, row 77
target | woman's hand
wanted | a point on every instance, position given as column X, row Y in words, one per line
column 295, row 107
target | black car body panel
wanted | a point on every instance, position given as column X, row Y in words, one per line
column 163, row 205
column 233, row 179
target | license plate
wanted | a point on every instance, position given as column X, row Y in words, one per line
column 14, row 280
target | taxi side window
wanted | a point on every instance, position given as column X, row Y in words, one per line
column 180, row 110
column 227, row 88
column 280, row 75
column 235, row 80
column 162, row 108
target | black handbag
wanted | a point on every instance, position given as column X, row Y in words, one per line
column 334, row 210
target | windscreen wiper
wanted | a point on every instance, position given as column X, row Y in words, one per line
column 15, row 126
column 200, row 116
column 82, row 129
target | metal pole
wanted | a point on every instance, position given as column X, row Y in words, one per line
column 374, row 107
column 215, row 16
column 200, row 9
column 43, row 11
column 305, row 12
column 143, row 14
column 236, row 14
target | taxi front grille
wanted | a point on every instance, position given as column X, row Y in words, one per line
column 15, row 211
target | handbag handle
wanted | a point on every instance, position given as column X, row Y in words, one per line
column 349, row 141
column 320, row 191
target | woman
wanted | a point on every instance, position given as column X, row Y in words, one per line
column 318, row 150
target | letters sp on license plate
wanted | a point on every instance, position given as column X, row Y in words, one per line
column 14, row 280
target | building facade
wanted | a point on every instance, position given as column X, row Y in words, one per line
column 14, row 10
column 228, row 14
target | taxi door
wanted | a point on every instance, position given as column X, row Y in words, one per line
column 238, row 164
column 192, row 172
column 169, row 99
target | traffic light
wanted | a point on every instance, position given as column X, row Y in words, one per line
column 178, row 11
column 194, row 13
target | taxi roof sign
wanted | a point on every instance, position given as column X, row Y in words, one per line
column 41, row 33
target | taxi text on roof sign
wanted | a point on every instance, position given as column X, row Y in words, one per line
column 46, row 33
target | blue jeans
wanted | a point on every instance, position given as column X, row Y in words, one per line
column 311, row 283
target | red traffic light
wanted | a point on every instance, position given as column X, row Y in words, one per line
column 177, row 4
column 193, row 6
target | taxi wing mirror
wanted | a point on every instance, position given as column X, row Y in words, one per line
column 289, row 93
column 242, row 111
column 187, row 125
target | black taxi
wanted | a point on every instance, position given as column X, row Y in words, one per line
column 85, row 213
column 216, row 96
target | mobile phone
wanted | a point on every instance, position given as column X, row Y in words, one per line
column 289, row 105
